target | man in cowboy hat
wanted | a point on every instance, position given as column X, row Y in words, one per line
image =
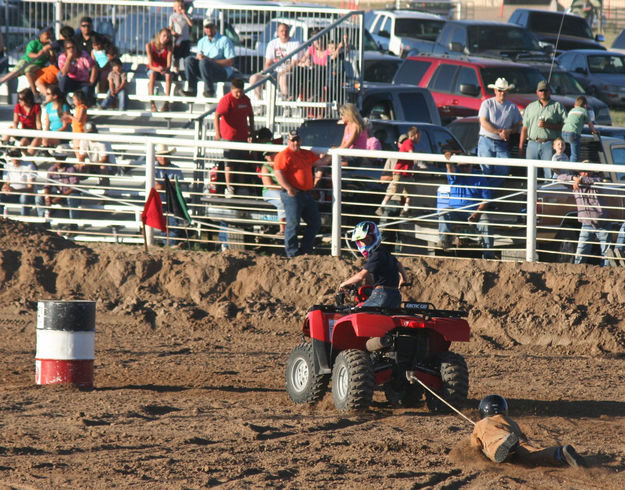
column 499, row 118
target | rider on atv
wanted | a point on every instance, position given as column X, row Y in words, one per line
column 386, row 272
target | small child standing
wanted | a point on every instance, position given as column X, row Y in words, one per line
column 403, row 179
column 117, row 86
column 179, row 25
column 573, row 125
column 79, row 119
column 558, row 154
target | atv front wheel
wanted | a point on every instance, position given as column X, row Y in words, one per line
column 455, row 383
column 302, row 384
column 352, row 381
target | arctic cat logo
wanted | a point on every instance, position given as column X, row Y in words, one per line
column 417, row 306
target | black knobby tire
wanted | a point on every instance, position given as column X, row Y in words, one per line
column 353, row 381
column 402, row 394
column 455, row 381
column 302, row 384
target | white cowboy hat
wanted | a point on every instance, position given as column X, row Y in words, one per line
column 161, row 149
column 501, row 84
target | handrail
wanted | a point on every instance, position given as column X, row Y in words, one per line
column 272, row 69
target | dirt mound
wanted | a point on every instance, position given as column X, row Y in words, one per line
column 576, row 308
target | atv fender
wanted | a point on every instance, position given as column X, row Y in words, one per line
column 452, row 329
column 353, row 331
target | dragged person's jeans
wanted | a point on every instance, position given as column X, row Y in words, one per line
column 449, row 219
column 298, row 207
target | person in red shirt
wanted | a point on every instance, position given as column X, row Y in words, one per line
column 403, row 179
column 234, row 121
column 27, row 115
column 160, row 52
column 293, row 168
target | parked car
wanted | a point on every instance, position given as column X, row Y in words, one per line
column 402, row 31
column 563, row 31
column 619, row 43
column 601, row 73
column 493, row 39
column 563, row 83
column 460, row 85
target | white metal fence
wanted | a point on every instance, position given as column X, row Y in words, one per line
column 527, row 218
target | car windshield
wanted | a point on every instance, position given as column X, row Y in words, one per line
column 525, row 79
column 381, row 71
column 563, row 83
column 427, row 29
column 572, row 26
column 501, row 38
column 606, row 64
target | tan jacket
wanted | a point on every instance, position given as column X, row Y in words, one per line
column 490, row 432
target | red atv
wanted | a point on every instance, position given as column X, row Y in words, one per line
column 364, row 347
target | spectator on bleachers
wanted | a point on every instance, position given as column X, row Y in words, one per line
column 38, row 55
column 100, row 55
column 99, row 154
column 59, row 186
column 117, row 81
column 313, row 69
column 160, row 53
column 277, row 49
column 165, row 168
column 234, row 121
column 84, row 37
column 26, row 115
column 49, row 73
column 79, row 118
column 18, row 182
column 4, row 62
column 179, row 25
column 78, row 71
column 213, row 62
column 55, row 114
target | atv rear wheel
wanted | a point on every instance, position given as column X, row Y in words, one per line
column 352, row 381
column 402, row 394
column 455, row 383
column 302, row 384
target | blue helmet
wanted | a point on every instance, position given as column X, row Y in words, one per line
column 363, row 230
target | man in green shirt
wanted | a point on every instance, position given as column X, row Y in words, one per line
column 38, row 54
column 542, row 122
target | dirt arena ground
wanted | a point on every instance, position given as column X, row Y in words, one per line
column 189, row 373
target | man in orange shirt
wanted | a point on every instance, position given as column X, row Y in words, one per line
column 293, row 168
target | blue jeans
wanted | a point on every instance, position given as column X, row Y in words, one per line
column 298, row 207
column 67, row 84
column 584, row 244
column 122, row 100
column 620, row 239
column 575, row 140
column 70, row 202
column 445, row 229
column 26, row 200
column 206, row 69
column 272, row 196
column 540, row 151
column 386, row 298
column 488, row 147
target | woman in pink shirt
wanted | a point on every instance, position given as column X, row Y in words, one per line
column 78, row 71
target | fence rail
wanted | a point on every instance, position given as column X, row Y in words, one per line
column 527, row 218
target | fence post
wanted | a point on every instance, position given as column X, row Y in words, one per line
column 530, row 240
column 149, row 183
column 336, row 204
column 58, row 18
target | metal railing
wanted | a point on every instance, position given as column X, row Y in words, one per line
column 527, row 218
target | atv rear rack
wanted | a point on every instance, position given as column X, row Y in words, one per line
column 426, row 310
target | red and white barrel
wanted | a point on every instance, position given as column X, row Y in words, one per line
column 65, row 343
